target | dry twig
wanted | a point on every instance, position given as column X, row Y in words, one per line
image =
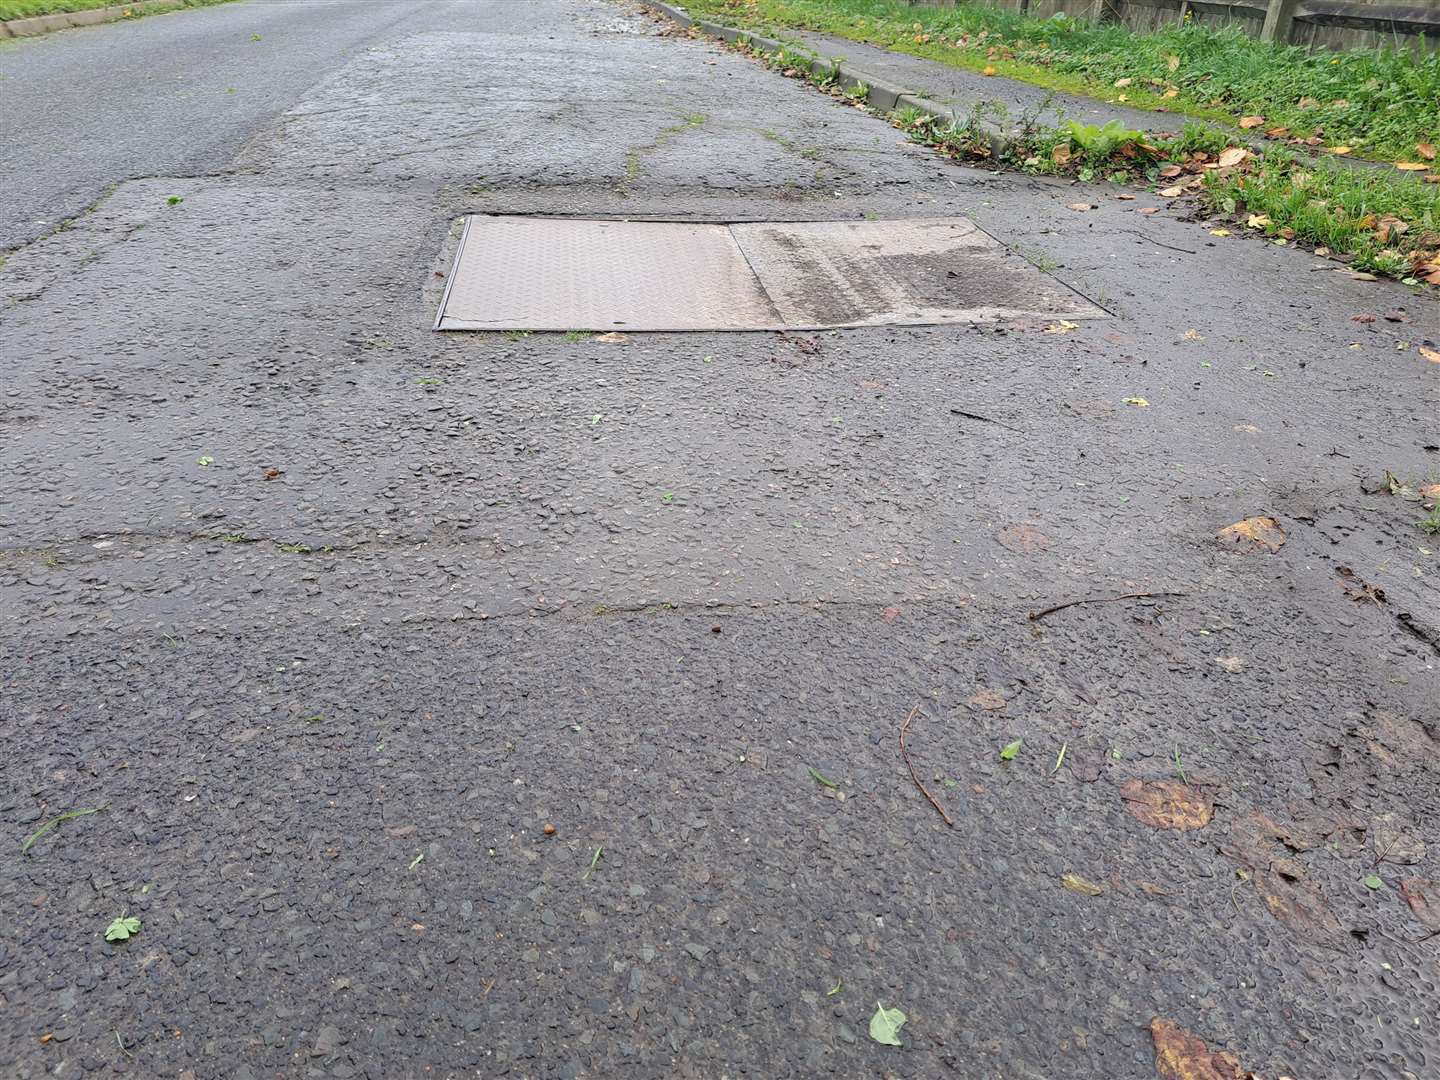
column 1036, row 616
column 904, row 727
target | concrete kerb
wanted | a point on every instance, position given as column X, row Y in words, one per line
column 879, row 94
column 65, row 20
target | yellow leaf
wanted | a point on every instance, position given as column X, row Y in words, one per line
column 1173, row 63
column 1076, row 883
column 1260, row 533
column 1411, row 166
column 1258, row 221
column 1170, row 93
column 1219, row 232
column 1251, row 121
column 1126, row 97
column 1340, row 149
column 989, row 70
column 1062, row 327
column 1138, row 402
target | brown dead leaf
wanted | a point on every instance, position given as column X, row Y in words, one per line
column 1425, row 150
column 1125, row 82
column 1277, row 132
column 1232, row 664
column 991, row 700
column 1167, row 804
column 1183, row 1055
column 890, row 614
column 1251, row 121
column 1430, row 354
column 1171, row 192
column 1076, row 883
column 1169, row 171
column 271, row 473
column 610, row 338
column 1423, row 896
column 1126, row 198
column 1060, row 155
column 1081, row 206
column 1023, row 539
column 1308, row 102
column 1390, row 227
column 1231, row 156
column 1256, row 533
column 1290, row 897
column 1147, row 210
column 1362, row 318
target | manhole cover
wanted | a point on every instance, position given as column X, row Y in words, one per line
column 530, row 273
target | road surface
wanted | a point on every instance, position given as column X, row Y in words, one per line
column 335, row 616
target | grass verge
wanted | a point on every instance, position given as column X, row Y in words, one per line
column 24, row 9
column 1373, row 102
column 1374, row 220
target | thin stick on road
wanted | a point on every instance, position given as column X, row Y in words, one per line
column 904, row 727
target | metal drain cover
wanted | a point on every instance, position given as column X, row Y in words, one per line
column 530, row 273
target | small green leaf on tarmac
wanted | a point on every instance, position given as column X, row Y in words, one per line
column 1008, row 754
column 816, row 775
column 205, row 461
column 419, row 858
column 122, row 929
column 885, row 1025
column 839, row 985
column 1374, row 882
column 174, row 200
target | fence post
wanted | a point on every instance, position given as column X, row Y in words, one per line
column 1279, row 17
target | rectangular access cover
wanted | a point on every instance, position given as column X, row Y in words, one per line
column 531, row 273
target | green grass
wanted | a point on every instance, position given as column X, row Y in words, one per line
column 24, row 9
column 1376, row 101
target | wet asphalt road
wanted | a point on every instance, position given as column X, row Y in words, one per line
column 169, row 95
column 329, row 714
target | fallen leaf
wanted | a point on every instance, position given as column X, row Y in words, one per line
column 1167, row 804
column 610, row 338
column 1396, row 841
column 1169, row 171
column 1082, row 206
column 1362, row 318
column 1254, row 533
column 1125, row 198
column 890, row 614
column 1172, row 63
column 122, row 929
column 1308, row 102
column 1411, row 166
column 1061, row 327
column 1232, row 664
column 1389, row 227
column 1193, row 335
column 1374, row 881
column 885, row 1025
column 1430, row 354
column 1011, row 749
column 1122, row 82
column 1425, row 150
column 1171, row 192
column 1138, row 402
column 1148, row 210
column 1277, row 132
column 1060, row 155
column 1182, row 1055
column 1075, row 883
column 987, row 699
column 1290, row 897
column 1339, row 149
column 1359, row 275
column 1423, row 896
column 1170, row 93
column 1251, row 121
column 1219, row 232
column 1232, row 155
column 271, row 474
column 988, row 70
column 1023, row 539
column 1258, row 221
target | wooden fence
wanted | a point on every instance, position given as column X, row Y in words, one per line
column 1329, row 24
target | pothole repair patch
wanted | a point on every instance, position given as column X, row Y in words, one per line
column 533, row 273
